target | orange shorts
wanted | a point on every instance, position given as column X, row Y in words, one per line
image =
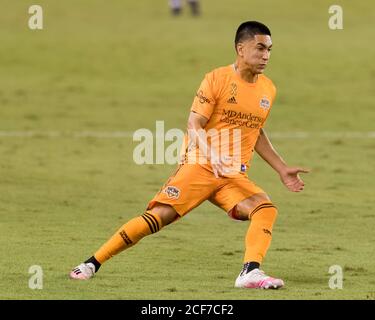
column 192, row 184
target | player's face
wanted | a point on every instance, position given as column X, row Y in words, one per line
column 255, row 53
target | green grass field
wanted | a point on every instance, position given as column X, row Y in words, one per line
column 110, row 66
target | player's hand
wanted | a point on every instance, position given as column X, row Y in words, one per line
column 220, row 167
column 290, row 178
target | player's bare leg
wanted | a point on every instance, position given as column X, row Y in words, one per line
column 262, row 213
column 127, row 236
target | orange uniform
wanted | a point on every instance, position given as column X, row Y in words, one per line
column 236, row 111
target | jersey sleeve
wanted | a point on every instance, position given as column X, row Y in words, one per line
column 205, row 100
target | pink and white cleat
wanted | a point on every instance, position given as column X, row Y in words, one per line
column 84, row 271
column 257, row 279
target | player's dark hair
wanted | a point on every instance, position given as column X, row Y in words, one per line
column 247, row 30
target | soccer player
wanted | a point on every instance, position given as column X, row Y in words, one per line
column 176, row 7
column 234, row 99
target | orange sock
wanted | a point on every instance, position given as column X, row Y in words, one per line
column 128, row 235
column 259, row 234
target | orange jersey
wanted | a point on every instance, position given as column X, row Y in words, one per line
column 236, row 111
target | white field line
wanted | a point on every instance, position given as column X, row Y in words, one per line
column 129, row 134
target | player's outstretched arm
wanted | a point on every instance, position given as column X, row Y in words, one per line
column 288, row 175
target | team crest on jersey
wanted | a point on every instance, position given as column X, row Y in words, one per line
column 265, row 103
column 172, row 192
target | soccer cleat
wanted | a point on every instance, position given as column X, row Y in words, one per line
column 257, row 279
column 176, row 11
column 84, row 271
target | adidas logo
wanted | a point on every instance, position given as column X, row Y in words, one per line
column 232, row 100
